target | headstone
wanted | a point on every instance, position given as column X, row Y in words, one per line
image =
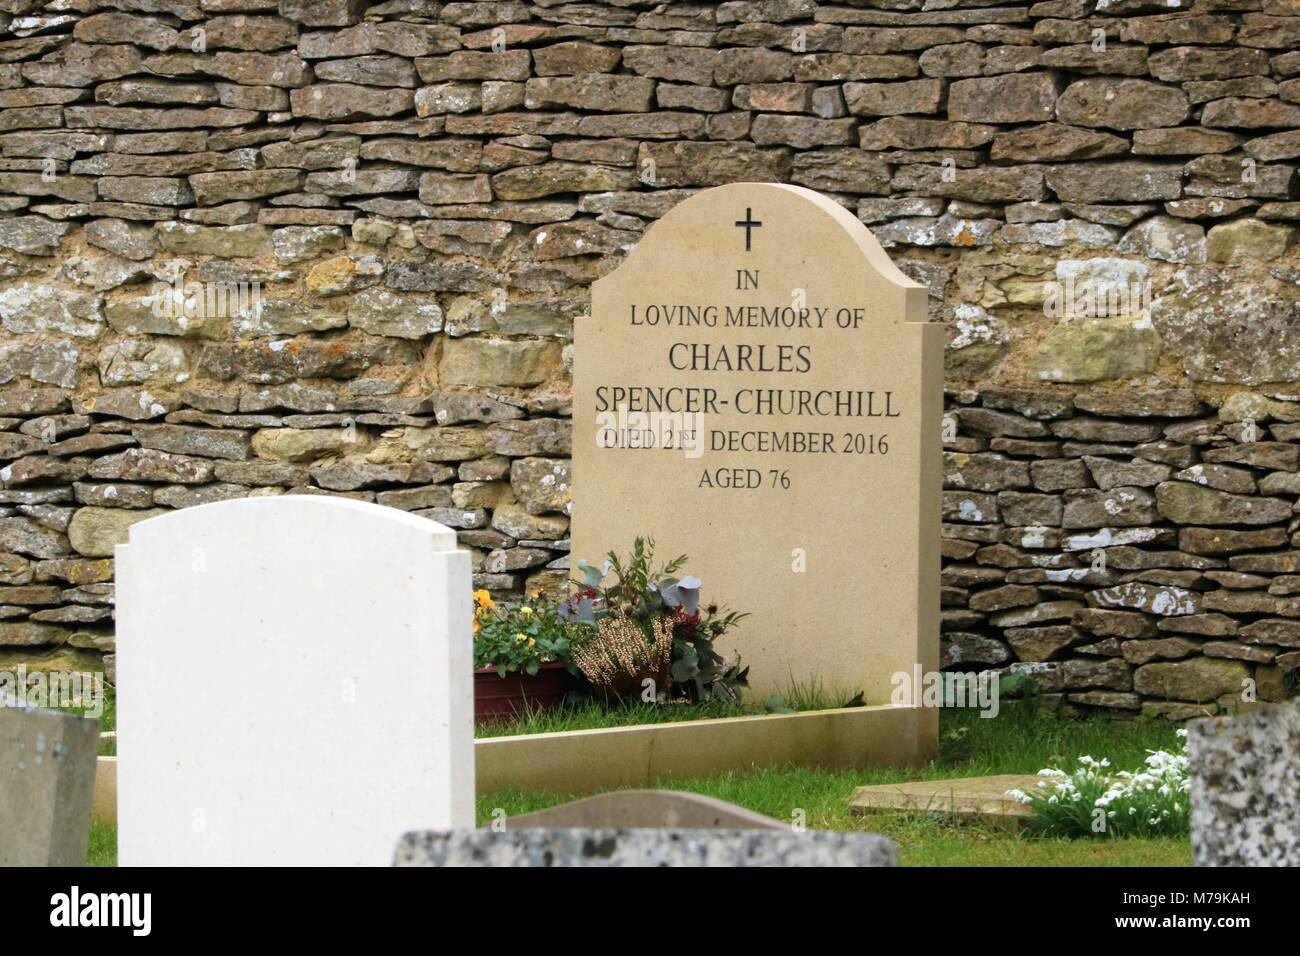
column 1245, row 788
column 758, row 387
column 647, row 809
column 47, row 780
column 632, row 847
column 294, row 683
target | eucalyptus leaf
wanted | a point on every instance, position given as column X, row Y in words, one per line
column 591, row 577
column 689, row 590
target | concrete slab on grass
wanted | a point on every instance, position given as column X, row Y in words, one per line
column 969, row 799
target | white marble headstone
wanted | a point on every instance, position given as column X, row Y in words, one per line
column 294, row 683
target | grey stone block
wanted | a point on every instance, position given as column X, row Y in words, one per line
column 643, row 847
column 1245, row 788
column 47, row 783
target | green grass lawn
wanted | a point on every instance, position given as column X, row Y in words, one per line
column 590, row 714
column 103, row 846
column 1017, row 741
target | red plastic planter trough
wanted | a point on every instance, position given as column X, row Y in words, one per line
column 500, row 698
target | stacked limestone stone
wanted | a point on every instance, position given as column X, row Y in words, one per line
column 422, row 193
column 1142, row 551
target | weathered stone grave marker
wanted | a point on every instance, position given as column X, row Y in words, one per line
column 627, row 846
column 758, row 387
column 1245, row 788
column 294, row 678
column 47, row 781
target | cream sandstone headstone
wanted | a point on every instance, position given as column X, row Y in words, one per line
column 294, row 683
column 758, row 387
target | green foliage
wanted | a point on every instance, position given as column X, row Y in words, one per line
column 812, row 695
column 1024, row 687
column 698, row 669
column 1018, row 685
column 523, row 636
column 635, row 586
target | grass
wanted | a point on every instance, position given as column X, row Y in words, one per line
column 1017, row 741
column 592, row 715
column 103, row 845
column 107, row 719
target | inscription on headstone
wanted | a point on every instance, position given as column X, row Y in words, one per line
column 758, row 387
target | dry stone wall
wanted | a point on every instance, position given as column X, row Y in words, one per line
column 1134, row 551
column 252, row 247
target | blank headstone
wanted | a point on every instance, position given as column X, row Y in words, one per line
column 1245, row 788
column 294, row 683
column 47, row 779
column 802, row 368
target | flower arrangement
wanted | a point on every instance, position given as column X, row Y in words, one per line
column 633, row 599
column 1094, row 801
column 619, row 658
column 523, row 636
